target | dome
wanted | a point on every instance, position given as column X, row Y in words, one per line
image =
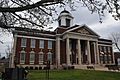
column 65, row 13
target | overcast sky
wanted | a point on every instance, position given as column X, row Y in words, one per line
column 81, row 16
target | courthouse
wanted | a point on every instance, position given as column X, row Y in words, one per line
column 68, row 44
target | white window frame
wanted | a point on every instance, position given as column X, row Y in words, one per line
column 32, row 57
column 32, row 43
column 22, row 57
column 41, row 43
column 23, row 42
column 41, row 57
column 50, row 44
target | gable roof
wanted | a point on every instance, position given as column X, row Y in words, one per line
column 73, row 28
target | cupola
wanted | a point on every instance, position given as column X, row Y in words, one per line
column 65, row 19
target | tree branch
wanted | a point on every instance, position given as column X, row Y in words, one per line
column 2, row 25
column 117, row 46
column 27, row 7
column 27, row 20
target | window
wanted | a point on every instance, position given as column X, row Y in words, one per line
column 32, row 57
column 100, row 47
column 105, row 50
column 109, row 50
column 101, row 58
column 32, row 43
column 49, row 57
column 41, row 44
column 109, row 58
column 59, row 22
column 23, row 42
column 105, row 58
column 22, row 57
column 49, row 44
column 67, row 22
column 41, row 58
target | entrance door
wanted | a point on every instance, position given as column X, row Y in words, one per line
column 83, row 51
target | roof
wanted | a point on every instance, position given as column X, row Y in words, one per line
column 65, row 11
column 80, row 26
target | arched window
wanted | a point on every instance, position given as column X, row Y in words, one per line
column 32, row 57
column 41, row 57
column 22, row 57
column 49, row 57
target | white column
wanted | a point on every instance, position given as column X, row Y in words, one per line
column 98, row 56
column 88, row 52
column 79, row 51
column 67, row 52
column 95, row 52
column 113, row 57
column 11, row 62
column 58, row 52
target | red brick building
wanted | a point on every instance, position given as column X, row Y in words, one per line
column 76, row 45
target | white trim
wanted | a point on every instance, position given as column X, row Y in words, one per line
column 80, row 36
column 35, row 37
column 105, row 45
column 83, row 34
column 104, row 42
column 36, row 33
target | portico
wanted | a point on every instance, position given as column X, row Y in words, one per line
column 81, row 48
column 83, row 52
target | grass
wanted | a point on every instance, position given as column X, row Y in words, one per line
column 73, row 75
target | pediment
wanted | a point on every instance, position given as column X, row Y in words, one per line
column 83, row 30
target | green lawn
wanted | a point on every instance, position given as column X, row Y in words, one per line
column 73, row 75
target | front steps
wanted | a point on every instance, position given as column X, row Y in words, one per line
column 91, row 66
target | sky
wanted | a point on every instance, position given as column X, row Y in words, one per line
column 81, row 16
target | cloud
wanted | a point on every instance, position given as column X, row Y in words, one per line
column 84, row 16
column 108, row 26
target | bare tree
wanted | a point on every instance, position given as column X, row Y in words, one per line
column 116, row 40
column 27, row 13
